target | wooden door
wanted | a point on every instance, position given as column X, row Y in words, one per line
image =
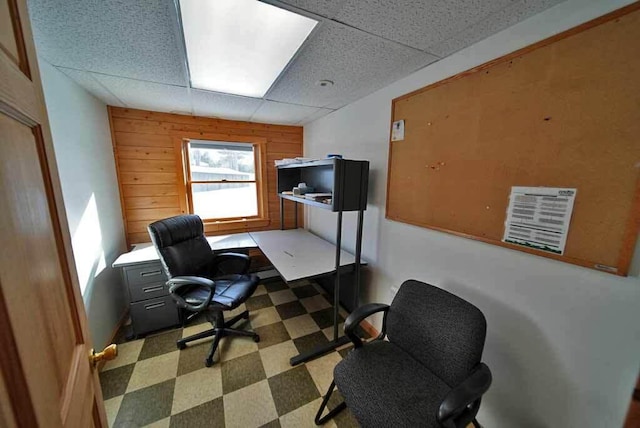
column 46, row 378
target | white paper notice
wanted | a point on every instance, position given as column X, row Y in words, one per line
column 538, row 217
column 397, row 130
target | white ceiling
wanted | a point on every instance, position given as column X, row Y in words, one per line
column 131, row 54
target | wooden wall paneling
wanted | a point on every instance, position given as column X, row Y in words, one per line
column 145, row 153
column 559, row 113
column 148, row 177
column 134, row 138
column 142, row 202
column 148, row 151
column 134, row 190
column 182, row 169
column 116, row 156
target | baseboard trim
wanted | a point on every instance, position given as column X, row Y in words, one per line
column 114, row 333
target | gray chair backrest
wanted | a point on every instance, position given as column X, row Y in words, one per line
column 440, row 330
column 181, row 244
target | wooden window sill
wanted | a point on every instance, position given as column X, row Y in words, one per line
column 235, row 225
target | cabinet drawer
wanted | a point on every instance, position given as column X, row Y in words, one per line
column 144, row 274
column 154, row 314
column 151, row 290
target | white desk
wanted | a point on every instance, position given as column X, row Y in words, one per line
column 145, row 253
column 298, row 253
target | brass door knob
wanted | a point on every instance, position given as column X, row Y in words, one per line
column 109, row 353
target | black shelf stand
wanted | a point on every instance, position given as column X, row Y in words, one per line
column 347, row 181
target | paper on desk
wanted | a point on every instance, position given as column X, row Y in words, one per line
column 539, row 217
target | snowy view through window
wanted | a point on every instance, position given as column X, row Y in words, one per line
column 223, row 179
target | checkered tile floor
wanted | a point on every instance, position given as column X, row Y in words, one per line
column 152, row 383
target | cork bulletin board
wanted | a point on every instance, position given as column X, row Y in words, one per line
column 564, row 112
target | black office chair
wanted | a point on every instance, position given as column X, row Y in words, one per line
column 427, row 374
column 201, row 281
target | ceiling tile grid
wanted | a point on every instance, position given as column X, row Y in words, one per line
column 213, row 104
column 131, row 53
column 147, row 95
column 416, row 23
column 502, row 19
column 287, row 114
column 355, row 61
column 85, row 80
column 134, row 39
column 323, row 8
column 321, row 112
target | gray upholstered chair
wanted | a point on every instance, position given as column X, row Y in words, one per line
column 428, row 373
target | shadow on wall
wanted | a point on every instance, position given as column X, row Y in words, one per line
column 514, row 346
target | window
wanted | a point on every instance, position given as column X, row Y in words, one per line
column 223, row 180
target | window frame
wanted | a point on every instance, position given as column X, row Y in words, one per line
column 181, row 142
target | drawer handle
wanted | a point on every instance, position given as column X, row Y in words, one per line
column 154, row 306
column 152, row 289
column 151, row 273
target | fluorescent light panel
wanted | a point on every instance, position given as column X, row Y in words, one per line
column 240, row 46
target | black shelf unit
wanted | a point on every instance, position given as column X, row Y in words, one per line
column 347, row 181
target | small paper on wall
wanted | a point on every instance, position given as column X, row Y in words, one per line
column 397, row 130
column 539, row 217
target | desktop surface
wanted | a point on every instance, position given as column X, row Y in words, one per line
column 299, row 254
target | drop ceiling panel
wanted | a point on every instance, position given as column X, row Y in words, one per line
column 361, row 45
column 85, row 80
column 322, row 112
column 214, row 104
column 417, row 23
column 146, row 95
column 325, row 8
column 281, row 113
column 498, row 21
column 135, row 39
column 357, row 62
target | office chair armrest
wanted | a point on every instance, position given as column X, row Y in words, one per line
column 175, row 284
column 463, row 401
column 231, row 263
column 364, row 311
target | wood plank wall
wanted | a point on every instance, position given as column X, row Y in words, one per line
column 148, row 165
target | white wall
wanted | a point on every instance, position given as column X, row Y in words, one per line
column 82, row 141
column 563, row 341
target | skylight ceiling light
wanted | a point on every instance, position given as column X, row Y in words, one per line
column 240, row 46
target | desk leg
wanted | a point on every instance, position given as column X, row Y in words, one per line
column 281, row 213
column 337, row 341
column 295, row 214
column 336, row 287
column 358, row 255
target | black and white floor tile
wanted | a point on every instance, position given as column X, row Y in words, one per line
column 154, row 384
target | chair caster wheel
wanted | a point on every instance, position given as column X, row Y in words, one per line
column 181, row 345
column 208, row 362
column 256, row 338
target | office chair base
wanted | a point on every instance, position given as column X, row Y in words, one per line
column 340, row 407
column 221, row 329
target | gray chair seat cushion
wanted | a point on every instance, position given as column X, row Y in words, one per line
column 380, row 375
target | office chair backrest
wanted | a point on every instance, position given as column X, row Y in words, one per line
column 181, row 244
column 442, row 331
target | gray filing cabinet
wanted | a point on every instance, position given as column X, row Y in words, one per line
column 150, row 306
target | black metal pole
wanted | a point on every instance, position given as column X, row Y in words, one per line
column 281, row 213
column 336, row 287
column 358, row 255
